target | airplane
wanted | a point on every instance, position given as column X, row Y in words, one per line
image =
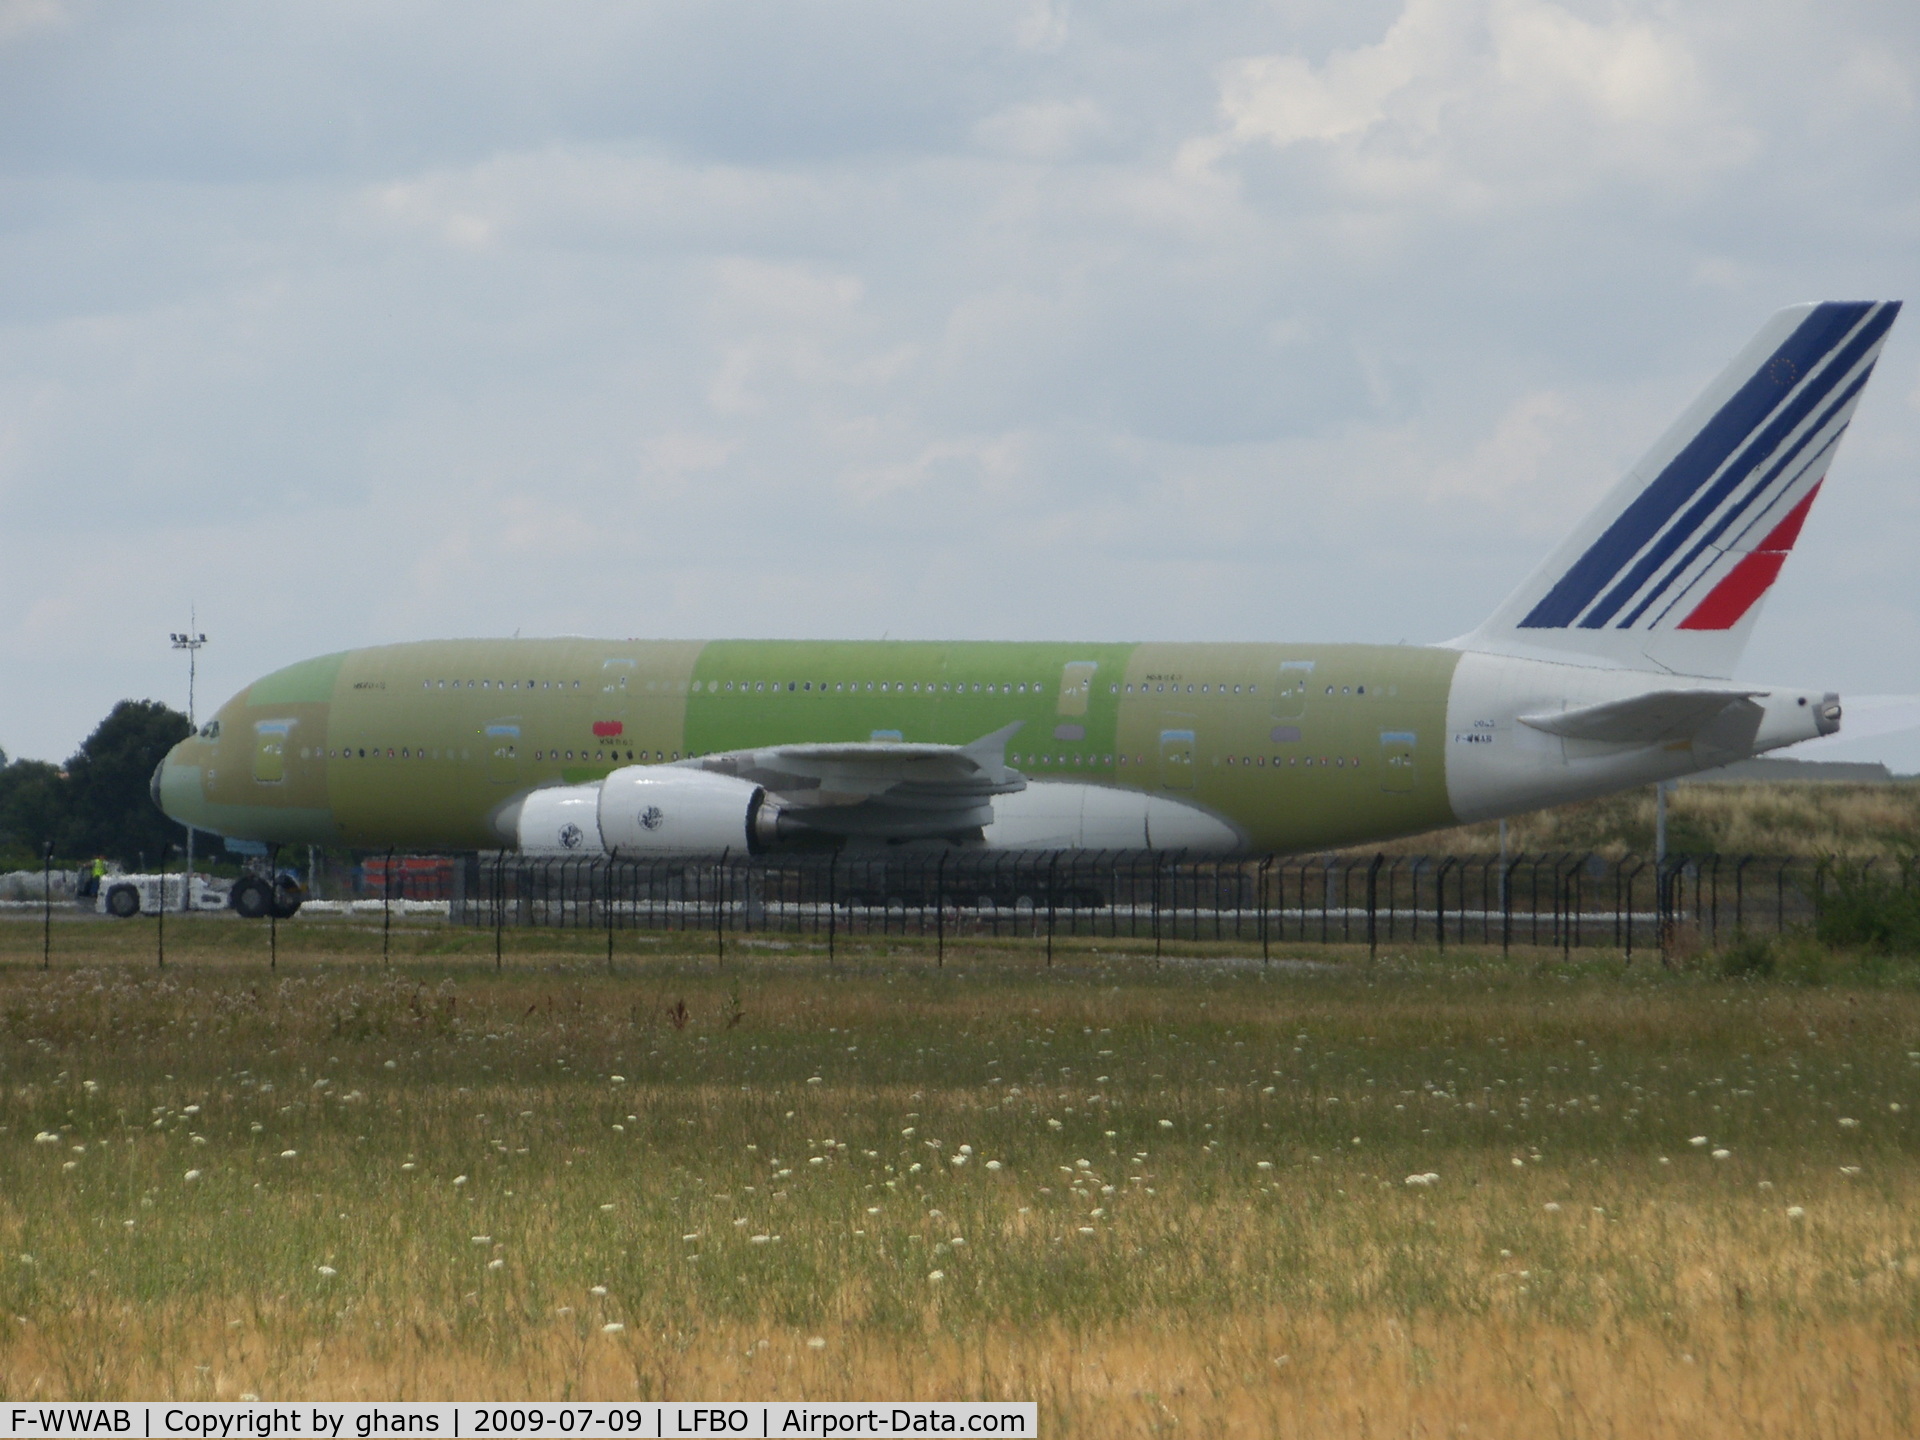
column 1609, row 667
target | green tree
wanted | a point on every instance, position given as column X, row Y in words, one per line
column 110, row 809
column 33, row 809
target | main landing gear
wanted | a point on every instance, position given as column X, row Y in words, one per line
column 254, row 898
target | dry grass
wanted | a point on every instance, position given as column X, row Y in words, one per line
column 1578, row 1267
column 1788, row 818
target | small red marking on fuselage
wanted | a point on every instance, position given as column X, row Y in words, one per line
column 607, row 729
column 1741, row 586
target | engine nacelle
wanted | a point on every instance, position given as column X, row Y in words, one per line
column 561, row 820
column 646, row 810
column 641, row 810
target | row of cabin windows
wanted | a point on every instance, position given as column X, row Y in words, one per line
column 1161, row 687
column 421, row 752
column 884, row 687
column 743, row 687
column 410, row 752
column 498, row 685
column 1279, row 761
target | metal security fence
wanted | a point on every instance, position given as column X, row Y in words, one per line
column 1564, row 901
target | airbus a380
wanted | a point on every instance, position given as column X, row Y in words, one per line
column 1608, row 668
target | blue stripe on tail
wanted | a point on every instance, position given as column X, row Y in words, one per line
column 1695, row 465
column 1783, row 424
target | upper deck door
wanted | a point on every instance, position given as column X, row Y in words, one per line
column 1076, row 685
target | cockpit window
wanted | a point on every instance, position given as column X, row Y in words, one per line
column 210, row 730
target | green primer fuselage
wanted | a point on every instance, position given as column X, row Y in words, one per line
column 1298, row 747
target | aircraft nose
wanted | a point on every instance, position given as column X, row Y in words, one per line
column 175, row 787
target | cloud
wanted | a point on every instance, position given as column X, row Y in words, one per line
column 1003, row 319
column 1487, row 102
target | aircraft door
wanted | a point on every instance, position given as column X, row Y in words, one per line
column 613, row 719
column 270, row 750
column 503, row 752
column 1076, row 684
column 1396, row 756
column 1290, row 691
column 1176, row 753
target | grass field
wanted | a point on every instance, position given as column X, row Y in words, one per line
column 1814, row 819
column 1199, row 1198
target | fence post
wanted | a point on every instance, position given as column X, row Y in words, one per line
column 940, row 912
column 386, row 910
column 1266, row 943
column 833, row 904
column 1440, row 900
column 160, row 930
column 606, row 901
column 719, row 908
column 1373, row 907
column 1506, row 906
column 499, row 906
column 1053, row 867
column 46, row 908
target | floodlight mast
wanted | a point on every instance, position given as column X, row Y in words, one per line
column 190, row 641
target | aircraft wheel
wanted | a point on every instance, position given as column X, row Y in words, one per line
column 250, row 898
column 123, row 902
column 288, row 897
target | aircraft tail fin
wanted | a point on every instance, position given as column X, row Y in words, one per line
column 1672, row 567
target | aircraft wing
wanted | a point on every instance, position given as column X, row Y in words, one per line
column 892, row 788
column 1650, row 719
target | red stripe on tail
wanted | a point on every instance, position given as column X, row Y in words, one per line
column 1736, row 593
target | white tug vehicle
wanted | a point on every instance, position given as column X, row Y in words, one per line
column 125, row 896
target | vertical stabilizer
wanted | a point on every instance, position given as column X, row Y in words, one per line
column 1672, row 567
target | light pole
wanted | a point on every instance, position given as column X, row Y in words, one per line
column 190, row 641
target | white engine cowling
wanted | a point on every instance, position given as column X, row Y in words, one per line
column 641, row 810
column 670, row 811
column 562, row 820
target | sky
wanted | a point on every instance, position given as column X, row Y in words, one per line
column 337, row 324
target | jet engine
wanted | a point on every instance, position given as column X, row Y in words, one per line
column 643, row 811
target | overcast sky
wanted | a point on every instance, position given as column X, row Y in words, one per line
column 352, row 322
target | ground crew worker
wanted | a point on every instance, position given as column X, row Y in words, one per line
column 99, row 874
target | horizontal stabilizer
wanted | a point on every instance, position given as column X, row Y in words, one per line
column 1651, row 719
